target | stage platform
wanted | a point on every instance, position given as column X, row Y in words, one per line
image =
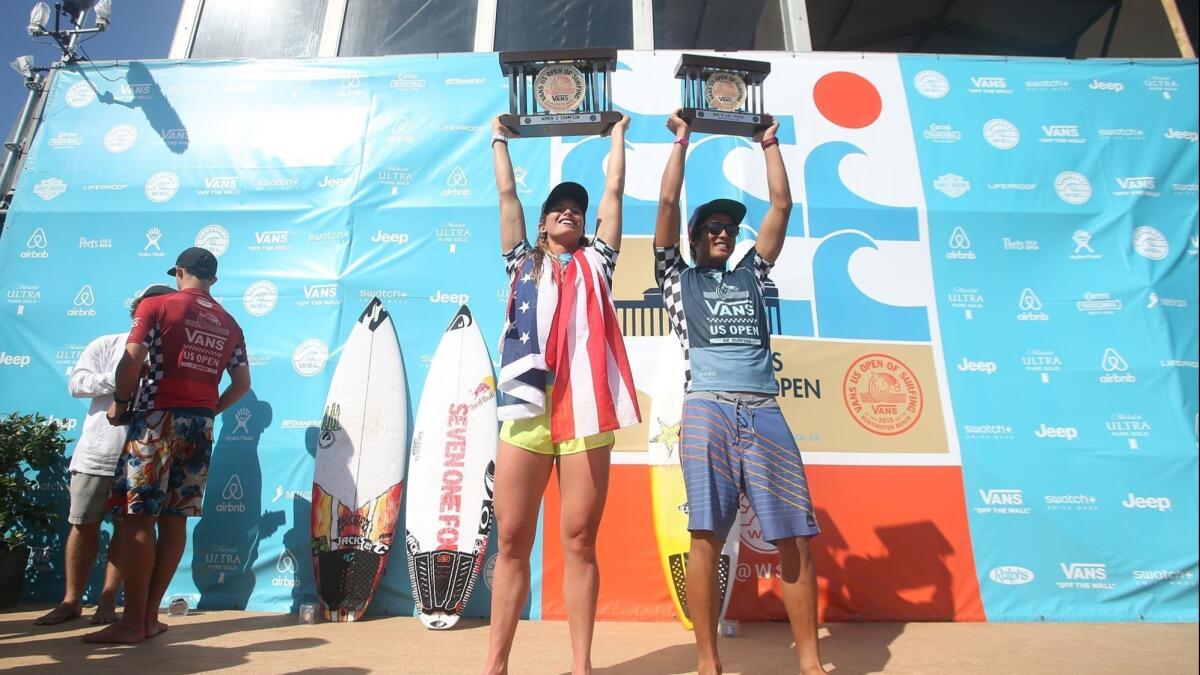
column 231, row 641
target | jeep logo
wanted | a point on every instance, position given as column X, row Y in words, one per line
column 1066, row 433
column 1155, row 503
column 969, row 366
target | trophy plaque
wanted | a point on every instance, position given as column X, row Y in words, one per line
column 723, row 96
column 561, row 92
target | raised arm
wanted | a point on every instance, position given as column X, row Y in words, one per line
column 608, row 216
column 773, row 229
column 666, row 229
column 512, row 218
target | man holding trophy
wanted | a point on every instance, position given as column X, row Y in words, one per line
column 734, row 439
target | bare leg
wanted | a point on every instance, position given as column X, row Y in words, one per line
column 172, row 537
column 584, row 481
column 137, row 564
column 799, row 579
column 106, row 610
column 82, row 543
column 704, row 599
column 521, row 478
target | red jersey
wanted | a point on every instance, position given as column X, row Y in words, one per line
column 191, row 340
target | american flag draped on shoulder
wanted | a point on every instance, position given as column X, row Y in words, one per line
column 569, row 329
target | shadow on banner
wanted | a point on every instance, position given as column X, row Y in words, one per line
column 226, row 539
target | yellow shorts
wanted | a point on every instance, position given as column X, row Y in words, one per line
column 533, row 434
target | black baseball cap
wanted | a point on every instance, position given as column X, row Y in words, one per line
column 567, row 190
column 730, row 207
column 200, row 261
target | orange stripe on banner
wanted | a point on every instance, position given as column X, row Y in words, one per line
column 631, row 578
column 894, row 546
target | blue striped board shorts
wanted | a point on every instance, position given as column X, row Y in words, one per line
column 733, row 443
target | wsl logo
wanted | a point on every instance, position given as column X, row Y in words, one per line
column 35, row 245
column 457, row 184
column 233, row 495
column 1031, row 307
column 84, row 300
column 1115, row 368
column 960, row 245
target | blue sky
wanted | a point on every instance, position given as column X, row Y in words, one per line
column 141, row 29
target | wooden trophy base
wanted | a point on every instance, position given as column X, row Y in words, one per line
column 708, row 121
column 570, row 124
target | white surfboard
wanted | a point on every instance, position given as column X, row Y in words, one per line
column 451, row 471
column 359, row 475
column 668, row 494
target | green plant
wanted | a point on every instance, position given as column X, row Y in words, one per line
column 32, row 476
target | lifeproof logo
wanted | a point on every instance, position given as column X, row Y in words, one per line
column 232, row 495
column 1065, row 433
column 1010, row 575
column 1150, row 503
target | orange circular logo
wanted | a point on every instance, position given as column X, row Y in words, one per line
column 882, row 394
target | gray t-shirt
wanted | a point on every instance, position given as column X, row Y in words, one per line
column 720, row 317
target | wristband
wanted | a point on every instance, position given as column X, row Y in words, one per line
column 768, row 142
column 119, row 401
column 681, row 141
column 499, row 138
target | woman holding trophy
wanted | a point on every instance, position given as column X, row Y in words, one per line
column 565, row 385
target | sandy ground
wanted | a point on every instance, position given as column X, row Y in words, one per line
column 271, row 643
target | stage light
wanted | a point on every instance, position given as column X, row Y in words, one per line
column 23, row 65
column 103, row 14
column 38, row 19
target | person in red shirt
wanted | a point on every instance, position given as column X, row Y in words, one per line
column 189, row 339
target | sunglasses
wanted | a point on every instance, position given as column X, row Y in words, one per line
column 715, row 227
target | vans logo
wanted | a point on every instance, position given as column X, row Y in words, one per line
column 1001, row 497
column 271, row 237
column 989, row 85
column 1061, row 133
column 220, row 185
column 1065, row 433
column 1085, row 571
column 1136, row 183
column 320, row 291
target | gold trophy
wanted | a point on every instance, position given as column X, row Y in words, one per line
column 723, row 96
column 562, row 92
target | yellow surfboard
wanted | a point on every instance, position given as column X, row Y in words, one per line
column 668, row 494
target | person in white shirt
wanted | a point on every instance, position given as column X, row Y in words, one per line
column 92, row 466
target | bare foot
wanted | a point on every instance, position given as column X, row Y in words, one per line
column 813, row 670
column 117, row 633
column 64, row 612
column 155, row 628
column 103, row 616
